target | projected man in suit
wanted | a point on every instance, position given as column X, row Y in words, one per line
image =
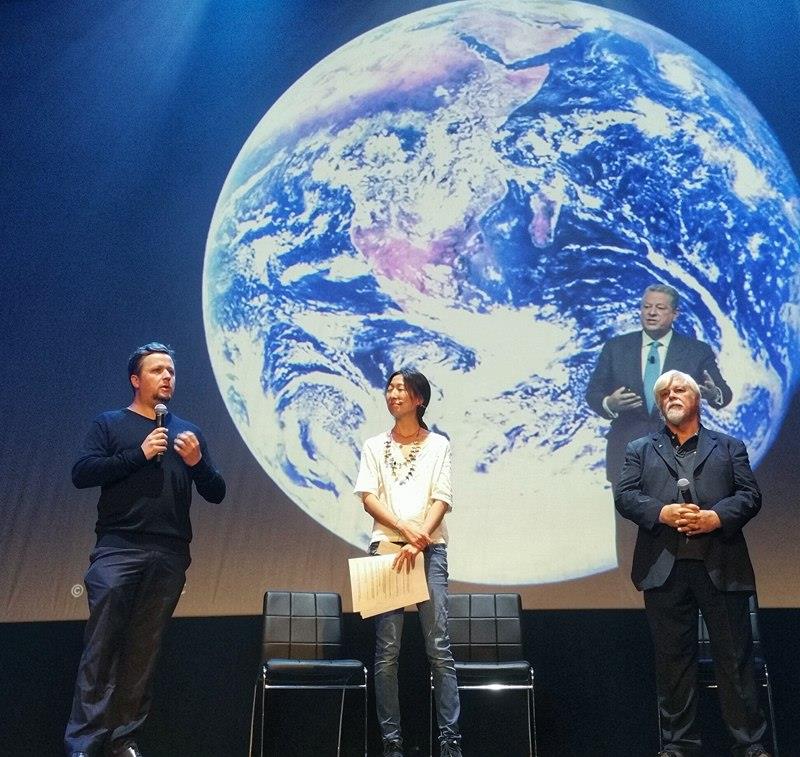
column 691, row 556
column 137, row 569
column 620, row 388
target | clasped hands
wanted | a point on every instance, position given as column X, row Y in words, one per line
column 417, row 540
column 689, row 519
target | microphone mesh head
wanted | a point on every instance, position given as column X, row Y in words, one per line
column 683, row 483
column 160, row 409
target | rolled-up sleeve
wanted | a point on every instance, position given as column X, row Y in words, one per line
column 367, row 480
column 441, row 484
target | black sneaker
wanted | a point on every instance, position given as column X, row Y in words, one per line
column 393, row 748
column 450, row 748
column 756, row 750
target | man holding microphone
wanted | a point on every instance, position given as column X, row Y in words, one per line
column 691, row 491
column 145, row 461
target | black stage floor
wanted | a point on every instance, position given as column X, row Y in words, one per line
column 595, row 693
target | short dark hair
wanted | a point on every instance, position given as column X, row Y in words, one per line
column 140, row 353
column 419, row 387
column 666, row 289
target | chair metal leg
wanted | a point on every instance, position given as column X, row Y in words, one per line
column 365, row 712
column 260, row 682
column 430, row 717
column 366, row 715
column 341, row 716
column 253, row 716
column 530, row 734
column 532, row 717
column 263, row 716
column 771, row 712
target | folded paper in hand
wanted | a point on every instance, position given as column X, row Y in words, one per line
column 377, row 588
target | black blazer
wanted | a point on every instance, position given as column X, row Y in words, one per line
column 620, row 364
column 723, row 482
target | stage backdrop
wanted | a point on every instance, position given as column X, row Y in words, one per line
column 301, row 196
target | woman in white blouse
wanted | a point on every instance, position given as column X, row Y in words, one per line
column 404, row 484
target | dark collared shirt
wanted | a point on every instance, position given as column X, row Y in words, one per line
column 689, row 547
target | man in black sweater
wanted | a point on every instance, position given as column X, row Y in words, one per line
column 137, row 569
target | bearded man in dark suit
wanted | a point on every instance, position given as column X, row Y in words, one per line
column 620, row 389
column 694, row 556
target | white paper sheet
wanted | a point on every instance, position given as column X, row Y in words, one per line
column 377, row 588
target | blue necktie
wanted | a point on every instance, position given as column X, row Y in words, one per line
column 652, row 370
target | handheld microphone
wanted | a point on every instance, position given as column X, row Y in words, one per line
column 161, row 413
column 683, row 487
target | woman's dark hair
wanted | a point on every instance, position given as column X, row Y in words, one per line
column 417, row 385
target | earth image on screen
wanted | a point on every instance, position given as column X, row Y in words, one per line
column 482, row 190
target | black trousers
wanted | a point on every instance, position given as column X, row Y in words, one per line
column 672, row 614
column 132, row 594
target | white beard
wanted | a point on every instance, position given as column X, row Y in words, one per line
column 676, row 415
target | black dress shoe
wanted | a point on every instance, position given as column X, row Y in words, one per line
column 126, row 749
column 129, row 751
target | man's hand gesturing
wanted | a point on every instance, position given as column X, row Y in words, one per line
column 187, row 446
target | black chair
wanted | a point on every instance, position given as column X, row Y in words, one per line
column 301, row 644
column 705, row 667
column 486, row 640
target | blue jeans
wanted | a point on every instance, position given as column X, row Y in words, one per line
column 388, row 633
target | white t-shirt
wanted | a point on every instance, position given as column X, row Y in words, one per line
column 409, row 497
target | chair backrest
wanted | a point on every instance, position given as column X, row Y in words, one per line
column 302, row 625
column 704, row 656
column 485, row 627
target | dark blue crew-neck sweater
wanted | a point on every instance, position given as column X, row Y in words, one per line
column 143, row 503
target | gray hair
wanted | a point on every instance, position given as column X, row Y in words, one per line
column 665, row 380
column 665, row 289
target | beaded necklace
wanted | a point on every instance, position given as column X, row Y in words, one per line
column 398, row 466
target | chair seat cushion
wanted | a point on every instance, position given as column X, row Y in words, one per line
column 485, row 673
column 284, row 672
